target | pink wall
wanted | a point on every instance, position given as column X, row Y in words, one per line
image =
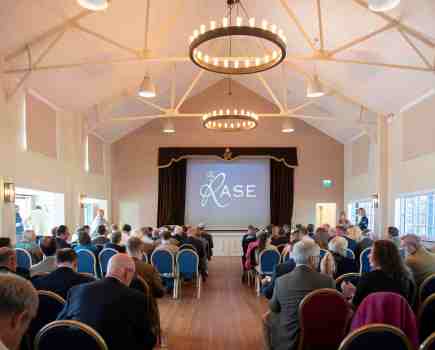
column 134, row 158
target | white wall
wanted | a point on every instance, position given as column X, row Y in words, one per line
column 63, row 175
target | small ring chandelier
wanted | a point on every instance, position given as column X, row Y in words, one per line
column 232, row 64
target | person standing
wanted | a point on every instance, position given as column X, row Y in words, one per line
column 39, row 221
column 363, row 219
column 98, row 221
column 19, row 224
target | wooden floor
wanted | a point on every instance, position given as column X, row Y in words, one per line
column 227, row 317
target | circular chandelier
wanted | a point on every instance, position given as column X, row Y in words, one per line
column 230, row 120
column 202, row 56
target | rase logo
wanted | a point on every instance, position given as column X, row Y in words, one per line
column 216, row 191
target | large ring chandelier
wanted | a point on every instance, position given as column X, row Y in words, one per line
column 230, row 120
column 273, row 55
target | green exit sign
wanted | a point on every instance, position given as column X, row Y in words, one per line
column 327, row 183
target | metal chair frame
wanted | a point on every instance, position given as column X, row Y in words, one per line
column 423, row 284
column 197, row 275
column 259, row 272
column 170, row 275
column 99, row 259
column 27, row 254
column 361, row 259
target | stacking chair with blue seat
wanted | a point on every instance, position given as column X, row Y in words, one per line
column 427, row 288
column 365, row 261
column 104, row 257
column 24, row 259
column 69, row 335
column 87, row 262
column 350, row 254
column 164, row 262
column 376, row 336
column 188, row 266
column 267, row 260
column 187, row 246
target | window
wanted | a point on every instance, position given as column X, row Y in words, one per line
column 415, row 214
column 369, row 208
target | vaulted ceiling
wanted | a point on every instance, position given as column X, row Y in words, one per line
column 94, row 62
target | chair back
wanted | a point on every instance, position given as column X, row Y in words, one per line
column 104, row 257
column 164, row 262
column 24, row 259
column 427, row 288
column 187, row 246
column 187, row 263
column 352, row 277
column 402, row 252
column 376, row 337
column 87, row 263
column 350, row 254
column 69, row 335
column 324, row 316
column 387, row 308
column 323, row 252
column 267, row 260
column 429, row 343
column 364, row 261
column 50, row 305
column 280, row 247
column 426, row 318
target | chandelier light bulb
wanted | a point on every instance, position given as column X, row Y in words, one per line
column 247, row 63
column 213, row 25
column 273, row 28
column 225, row 22
column 206, row 58
column 202, row 28
column 252, row 22
column 236, row 64
column 257, row 61
column 264, row 24
column 191, row 38
column 239, row 21
column 216, row 61
column 274, row 55
column 266, row 59
column 226, row 63
column 195, row 33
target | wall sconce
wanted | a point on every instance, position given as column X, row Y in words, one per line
column 375, row 198
column 82, row 200
column 9, row 192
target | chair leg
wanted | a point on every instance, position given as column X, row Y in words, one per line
column 175, row 292
column 199, row 287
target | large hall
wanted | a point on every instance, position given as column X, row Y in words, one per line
column 217, row 174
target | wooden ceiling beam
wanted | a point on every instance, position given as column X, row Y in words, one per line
column 320, row 20
column 189, row 90
column 270, row 91
column 415, row 48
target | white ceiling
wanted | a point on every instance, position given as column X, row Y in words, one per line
column 380, row 89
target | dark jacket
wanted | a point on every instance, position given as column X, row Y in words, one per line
column 351, row 243
column 102, row 240
column 61, row 243
column 115, row 311
column 365, row 243
column 344, row 265
column 198, row 245
column 118, row 248
column 364, row 223
column 60, row 281
column 280, row 269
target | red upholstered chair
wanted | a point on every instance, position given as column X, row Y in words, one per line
column 324, row 317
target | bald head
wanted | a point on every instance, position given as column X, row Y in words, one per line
column 121, row 267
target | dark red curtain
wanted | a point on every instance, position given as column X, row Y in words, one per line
column 172, row 194
column 281, row 193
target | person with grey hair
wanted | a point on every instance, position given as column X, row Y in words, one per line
column 18, row 306
column 418, row 259
column 336, row 262
column 281, row 324
column 8, row 263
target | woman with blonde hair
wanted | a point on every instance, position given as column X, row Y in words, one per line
column 354, row 232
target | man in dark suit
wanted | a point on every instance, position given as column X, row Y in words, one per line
column 279, row 270
column 115, row 242
column 64, row 277
column 62, row 236
column 281, row 324
column 193, row 239
column 114, row 310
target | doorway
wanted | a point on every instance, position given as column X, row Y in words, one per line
column 326, row 213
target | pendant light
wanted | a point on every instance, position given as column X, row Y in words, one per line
column 147, row 88
column 314, row 87
column 94, row 5
column 168, row 127
column 288, row 126
column 383, row 5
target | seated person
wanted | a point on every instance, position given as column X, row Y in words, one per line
column 29, row 243
column 48, row 264
column 419, row 260
column 322, row 238
column 268, row 283
column 143, row 269
column 126, row 232
column 394, row 235
column 364, row 243
column 8, row 263
column 192, row 238
column 61, row 280
column 115, row 241
column 178, row 234
column 62, row 237
column 281, row 324
column 84, row 242
column 389, row 274
column 255, row 248
column 101, row 238
column 295, row 237
column 336, row 263
column 118, row 313
column 208, row 238
column 278, row 237
column 18, row 306
column 249, row 237
column 310, row 230
column 166, row 242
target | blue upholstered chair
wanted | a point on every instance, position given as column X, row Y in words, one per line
column 164, row 262
column 24, row 259
column 50, row 305
column 426, row 318
column 427, row 288
column 364, row 261
column 267, row 260
column 323, row 252
column 69, row 335
column 87, row 263
column 350, row 254
column 104, row 257
column 402, row 252
column 376, row 337
column 352, row 277
column 188, row 266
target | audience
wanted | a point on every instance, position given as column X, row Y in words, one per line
column 114, row 310
column 18, row 306
column 62, row 237
column 419, row 260
column 143, row 269
column 8, row 263
column 115, row 242
column 278, row 236
column 167, row 243
column 389, row 274
column 84, row 242
column 393, row 235
column 281, row 324
column 29, row 243
column 178, row 234
column 336, row 262
column 101, row 238
column 61, row 280
column 48, row 264
column 322, row 237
